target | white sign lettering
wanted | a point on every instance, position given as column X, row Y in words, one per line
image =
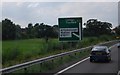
column 67, row 32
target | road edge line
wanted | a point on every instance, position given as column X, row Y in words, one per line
column 78, row 63
column 72, row 66
column 118, row 73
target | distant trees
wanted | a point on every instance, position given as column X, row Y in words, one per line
column 0, row 31
column 97, row 28
column 10, row 31
column 18, row 33
column 117, row 30
column 30, row 31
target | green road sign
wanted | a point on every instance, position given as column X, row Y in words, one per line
column 70, row 29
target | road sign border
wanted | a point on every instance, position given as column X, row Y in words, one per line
column 80, row 30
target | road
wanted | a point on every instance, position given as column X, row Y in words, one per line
column 96, row 67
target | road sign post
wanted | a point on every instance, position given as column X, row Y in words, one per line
column 70, row 29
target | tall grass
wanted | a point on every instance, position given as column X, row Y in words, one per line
column 19, row 51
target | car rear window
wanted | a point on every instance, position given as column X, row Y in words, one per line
column 98, row 53
column 99, row 49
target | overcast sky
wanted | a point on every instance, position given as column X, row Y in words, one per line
column 23, row 13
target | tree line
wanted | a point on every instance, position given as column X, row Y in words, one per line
column 97, row 28
column 93, row 27
column 11, row 31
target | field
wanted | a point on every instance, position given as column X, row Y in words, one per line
column 23, row 50
column 19, row 51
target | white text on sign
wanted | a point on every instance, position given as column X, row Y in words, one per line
column 67, row 32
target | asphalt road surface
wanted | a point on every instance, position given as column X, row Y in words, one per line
column 97, row 67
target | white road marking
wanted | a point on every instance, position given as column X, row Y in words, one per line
column 72, row 66
column 80, row 62
column 112, row 46
column 118, row 73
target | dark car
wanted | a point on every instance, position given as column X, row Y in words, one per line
column 118, row 45
column 100, row 53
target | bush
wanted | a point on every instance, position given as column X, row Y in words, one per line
column 105, row 37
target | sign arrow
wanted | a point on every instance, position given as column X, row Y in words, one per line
column 76, row 35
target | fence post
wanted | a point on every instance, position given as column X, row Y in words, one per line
column 25, row 70
column 61, row 58
column 52, row 60
column 75, row 53
column 69, row 55
column 40, row 67
column 80, row 51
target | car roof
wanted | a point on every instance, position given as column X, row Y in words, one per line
column 99, row 48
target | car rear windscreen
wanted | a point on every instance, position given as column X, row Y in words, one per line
column 98, row 53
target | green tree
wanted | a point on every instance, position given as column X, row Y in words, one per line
column 18, row 32
column 55, row 31
column 0, row 31
column 8, row 30
column 117, row 30
column 36, row 30
column 24, row 34
column 30, row 30
column 97, row 28
column 12, row 31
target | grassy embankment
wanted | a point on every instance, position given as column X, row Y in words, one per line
column 19, row 51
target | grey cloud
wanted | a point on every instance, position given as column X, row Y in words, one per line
column 119, row 13
column 49, row 12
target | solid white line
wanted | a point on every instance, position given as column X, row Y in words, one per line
column 72, row 66
column 112, row 46
column 118, row 73
column 78, row 63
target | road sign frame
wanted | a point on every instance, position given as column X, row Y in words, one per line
column 71, row 26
